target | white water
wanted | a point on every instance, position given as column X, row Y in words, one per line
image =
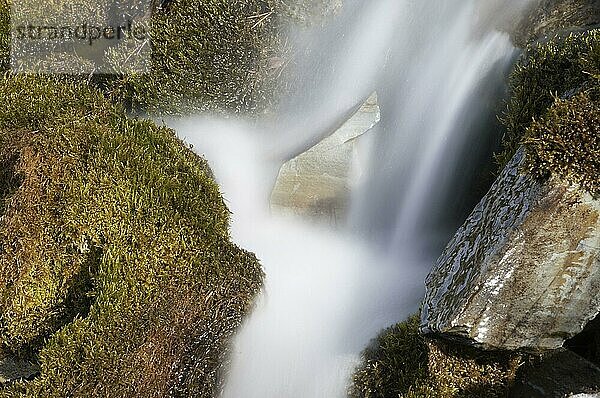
column 328, row 292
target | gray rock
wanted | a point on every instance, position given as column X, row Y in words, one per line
column 12, row 369
column 523, row 272
column 557, row 374
column 317, row 182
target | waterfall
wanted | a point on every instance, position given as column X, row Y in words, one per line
column 438, row 68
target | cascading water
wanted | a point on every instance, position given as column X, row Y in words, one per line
column 436, row 66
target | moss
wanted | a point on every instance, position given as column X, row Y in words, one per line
column 116, row 270
column 4, row 36
column 467, row 372
column 549, row 17
column 396, row 361
column 555, row 68
column 215, row 56
column 553, row 109
column 207, row 56
column 402, row 363
column 566, row 142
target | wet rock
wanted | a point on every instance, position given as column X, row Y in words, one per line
column 556, row 375
column 523, row 271
column 317, row 182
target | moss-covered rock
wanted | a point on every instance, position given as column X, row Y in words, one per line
column 555, row 68
column 218, row 55
column 394, row 365
column 402, row 363
column 207, row 56
column 549, row 17
column 215, row 56
column 466, row 372
column 555, row 91
column 117, row 274
column 4, row 36
column 566, row 142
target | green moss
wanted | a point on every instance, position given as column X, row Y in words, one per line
column 566, row 142
column 555, row 68
column 4, row 36
column 396, row 361
column 547, row 88
column 207, row 56
column 215, row 56
column 402, row 363
column 548, row 17
column 467, row 372
column 116, row 269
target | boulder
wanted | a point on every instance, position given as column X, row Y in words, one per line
column 317, row 182
column 117, row 273
column 523, row 270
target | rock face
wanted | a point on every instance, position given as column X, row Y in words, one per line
column 317, row 182
column 523, row 272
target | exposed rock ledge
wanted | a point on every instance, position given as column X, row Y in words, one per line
column 316, row 183
column 523, row 272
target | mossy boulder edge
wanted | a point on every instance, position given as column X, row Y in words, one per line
column 117, row 273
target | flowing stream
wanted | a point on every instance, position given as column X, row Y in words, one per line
column 439, row 68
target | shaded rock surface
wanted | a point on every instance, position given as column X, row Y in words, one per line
column 522, row 272
column 17, row 369
column 587, row 343
column 556, row 375
column 317, row 182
